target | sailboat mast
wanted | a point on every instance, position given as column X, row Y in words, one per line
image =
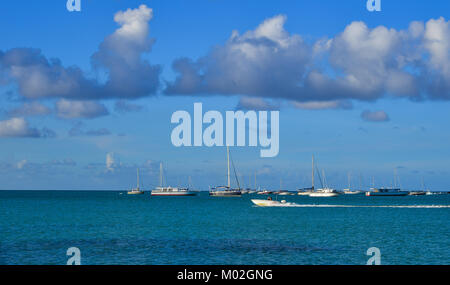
column 312, row 172
column 349, row 183
column 161, row 174
column 228, row 164
column 138, row 178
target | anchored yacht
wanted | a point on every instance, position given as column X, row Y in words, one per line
column 169, row 191
column 227, row 191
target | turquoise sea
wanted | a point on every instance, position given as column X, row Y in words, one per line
column 37, row 227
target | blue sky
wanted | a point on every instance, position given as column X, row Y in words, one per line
column 62, row 136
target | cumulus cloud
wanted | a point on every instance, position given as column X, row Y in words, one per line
column 119, row 56
column 30, row 109
column 123, row 106
column 375, row 116
column 255, row 103
column 360, row 63
column 68, row 109
column 17, row 127
column 320, row 105
column 265, row 62
column 78, row 130
column 110, row 161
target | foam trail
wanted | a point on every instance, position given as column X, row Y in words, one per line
column 360, row 206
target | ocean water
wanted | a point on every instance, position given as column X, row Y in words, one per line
column 37, row 227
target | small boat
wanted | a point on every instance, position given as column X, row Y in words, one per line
column 348, row 190
column 284, row 193
column 351, row 192
column 169, row 191
column 137, row 190
column 325, row 192
column 417, row 193
column 386, row 192
column 269, row 203
column 227, row 191
column 429, row 193
column 264, row 192
column 172, row 191
column 308, row 191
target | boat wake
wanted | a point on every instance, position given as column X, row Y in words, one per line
column 358, row 206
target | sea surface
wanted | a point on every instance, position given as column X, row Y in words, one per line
column 37, row 227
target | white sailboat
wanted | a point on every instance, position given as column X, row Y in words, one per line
column 324, row 191
column 169, row 191
column 137, row 190
column 226, row 191
column 348, row 190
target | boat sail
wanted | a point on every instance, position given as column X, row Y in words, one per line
column 169, row 191
column 137, row 190
column 227, row 191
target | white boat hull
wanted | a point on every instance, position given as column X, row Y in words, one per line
column 265, row 203
column 135, row 192
column 325, row 194
column 187, row 193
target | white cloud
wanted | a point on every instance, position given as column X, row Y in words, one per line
column 119, row 57
column 320, row 105
column 110, row 161
column 30, row 109
column 17, row 127
column 80, row 109
column 360, row 63
column 21, row 164
column 255, row 103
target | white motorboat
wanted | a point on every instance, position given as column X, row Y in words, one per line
column 269, row 203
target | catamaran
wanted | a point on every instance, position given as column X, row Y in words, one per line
column 169, row 191
column 137, row 190
column 227, row 191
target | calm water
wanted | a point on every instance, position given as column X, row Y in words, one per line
column 37, row 227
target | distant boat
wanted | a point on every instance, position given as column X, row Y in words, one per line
column 269, row 203
column 307, row 191
column 264, row 192
column 324, row 192
column 227, row 191
column 386, row 192
column 419, row 192
column 169, row 191
column 137, row 190
column 348, row 190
